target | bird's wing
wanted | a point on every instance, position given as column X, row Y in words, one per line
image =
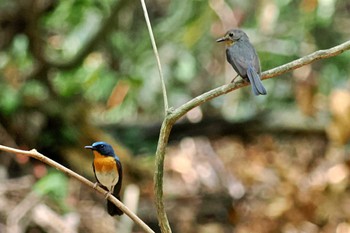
column 237, row 60
column 256, row 63
column 111, row 208
column 118, row 186
column 93, row 167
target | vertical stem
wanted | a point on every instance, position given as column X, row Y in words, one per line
column 158, row 175
column 155, row 50
column 163, row 138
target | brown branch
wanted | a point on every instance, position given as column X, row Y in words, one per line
column 174, row 115
column 36, row 155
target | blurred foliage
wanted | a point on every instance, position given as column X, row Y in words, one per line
column 55, row 186
column 54, row 183
column 67, row 65
column 192, row 62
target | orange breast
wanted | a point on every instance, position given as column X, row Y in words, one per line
column 104, row 164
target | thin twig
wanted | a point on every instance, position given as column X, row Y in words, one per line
column 173, row 116
column 36, row 155
column 320, row 54
column 155, row 50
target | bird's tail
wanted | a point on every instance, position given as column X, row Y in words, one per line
column 254, row 79
column 113, row 209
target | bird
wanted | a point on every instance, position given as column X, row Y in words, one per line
column 108, row 172
column 242, row 56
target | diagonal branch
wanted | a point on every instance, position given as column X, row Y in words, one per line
column 173, row 116
column 224, row 89
column 320, row 54
column 36, row 155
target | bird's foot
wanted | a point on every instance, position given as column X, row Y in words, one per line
column 95, row 185
column 107, row 194
column 233, row 80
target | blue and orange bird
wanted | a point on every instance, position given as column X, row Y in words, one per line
column 108, row 172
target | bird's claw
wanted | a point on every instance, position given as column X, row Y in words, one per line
column 107, row 194
column 233, row 80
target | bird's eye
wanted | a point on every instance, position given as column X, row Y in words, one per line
column 230, row 34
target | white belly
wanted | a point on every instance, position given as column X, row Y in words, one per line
column 108, row 179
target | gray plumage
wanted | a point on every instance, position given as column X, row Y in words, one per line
column 241, row 54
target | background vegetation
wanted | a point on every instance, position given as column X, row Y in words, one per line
column 74, row 72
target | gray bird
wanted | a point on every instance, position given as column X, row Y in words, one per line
column 241, row 54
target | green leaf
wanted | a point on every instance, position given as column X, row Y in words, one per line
column 54, row 185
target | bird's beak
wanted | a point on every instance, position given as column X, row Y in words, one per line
column 89, row 147
column 221, row 39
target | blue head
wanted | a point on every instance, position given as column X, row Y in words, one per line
column 102, row 148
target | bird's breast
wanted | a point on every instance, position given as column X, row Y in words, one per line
column 106, row 171
column 105, row 164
